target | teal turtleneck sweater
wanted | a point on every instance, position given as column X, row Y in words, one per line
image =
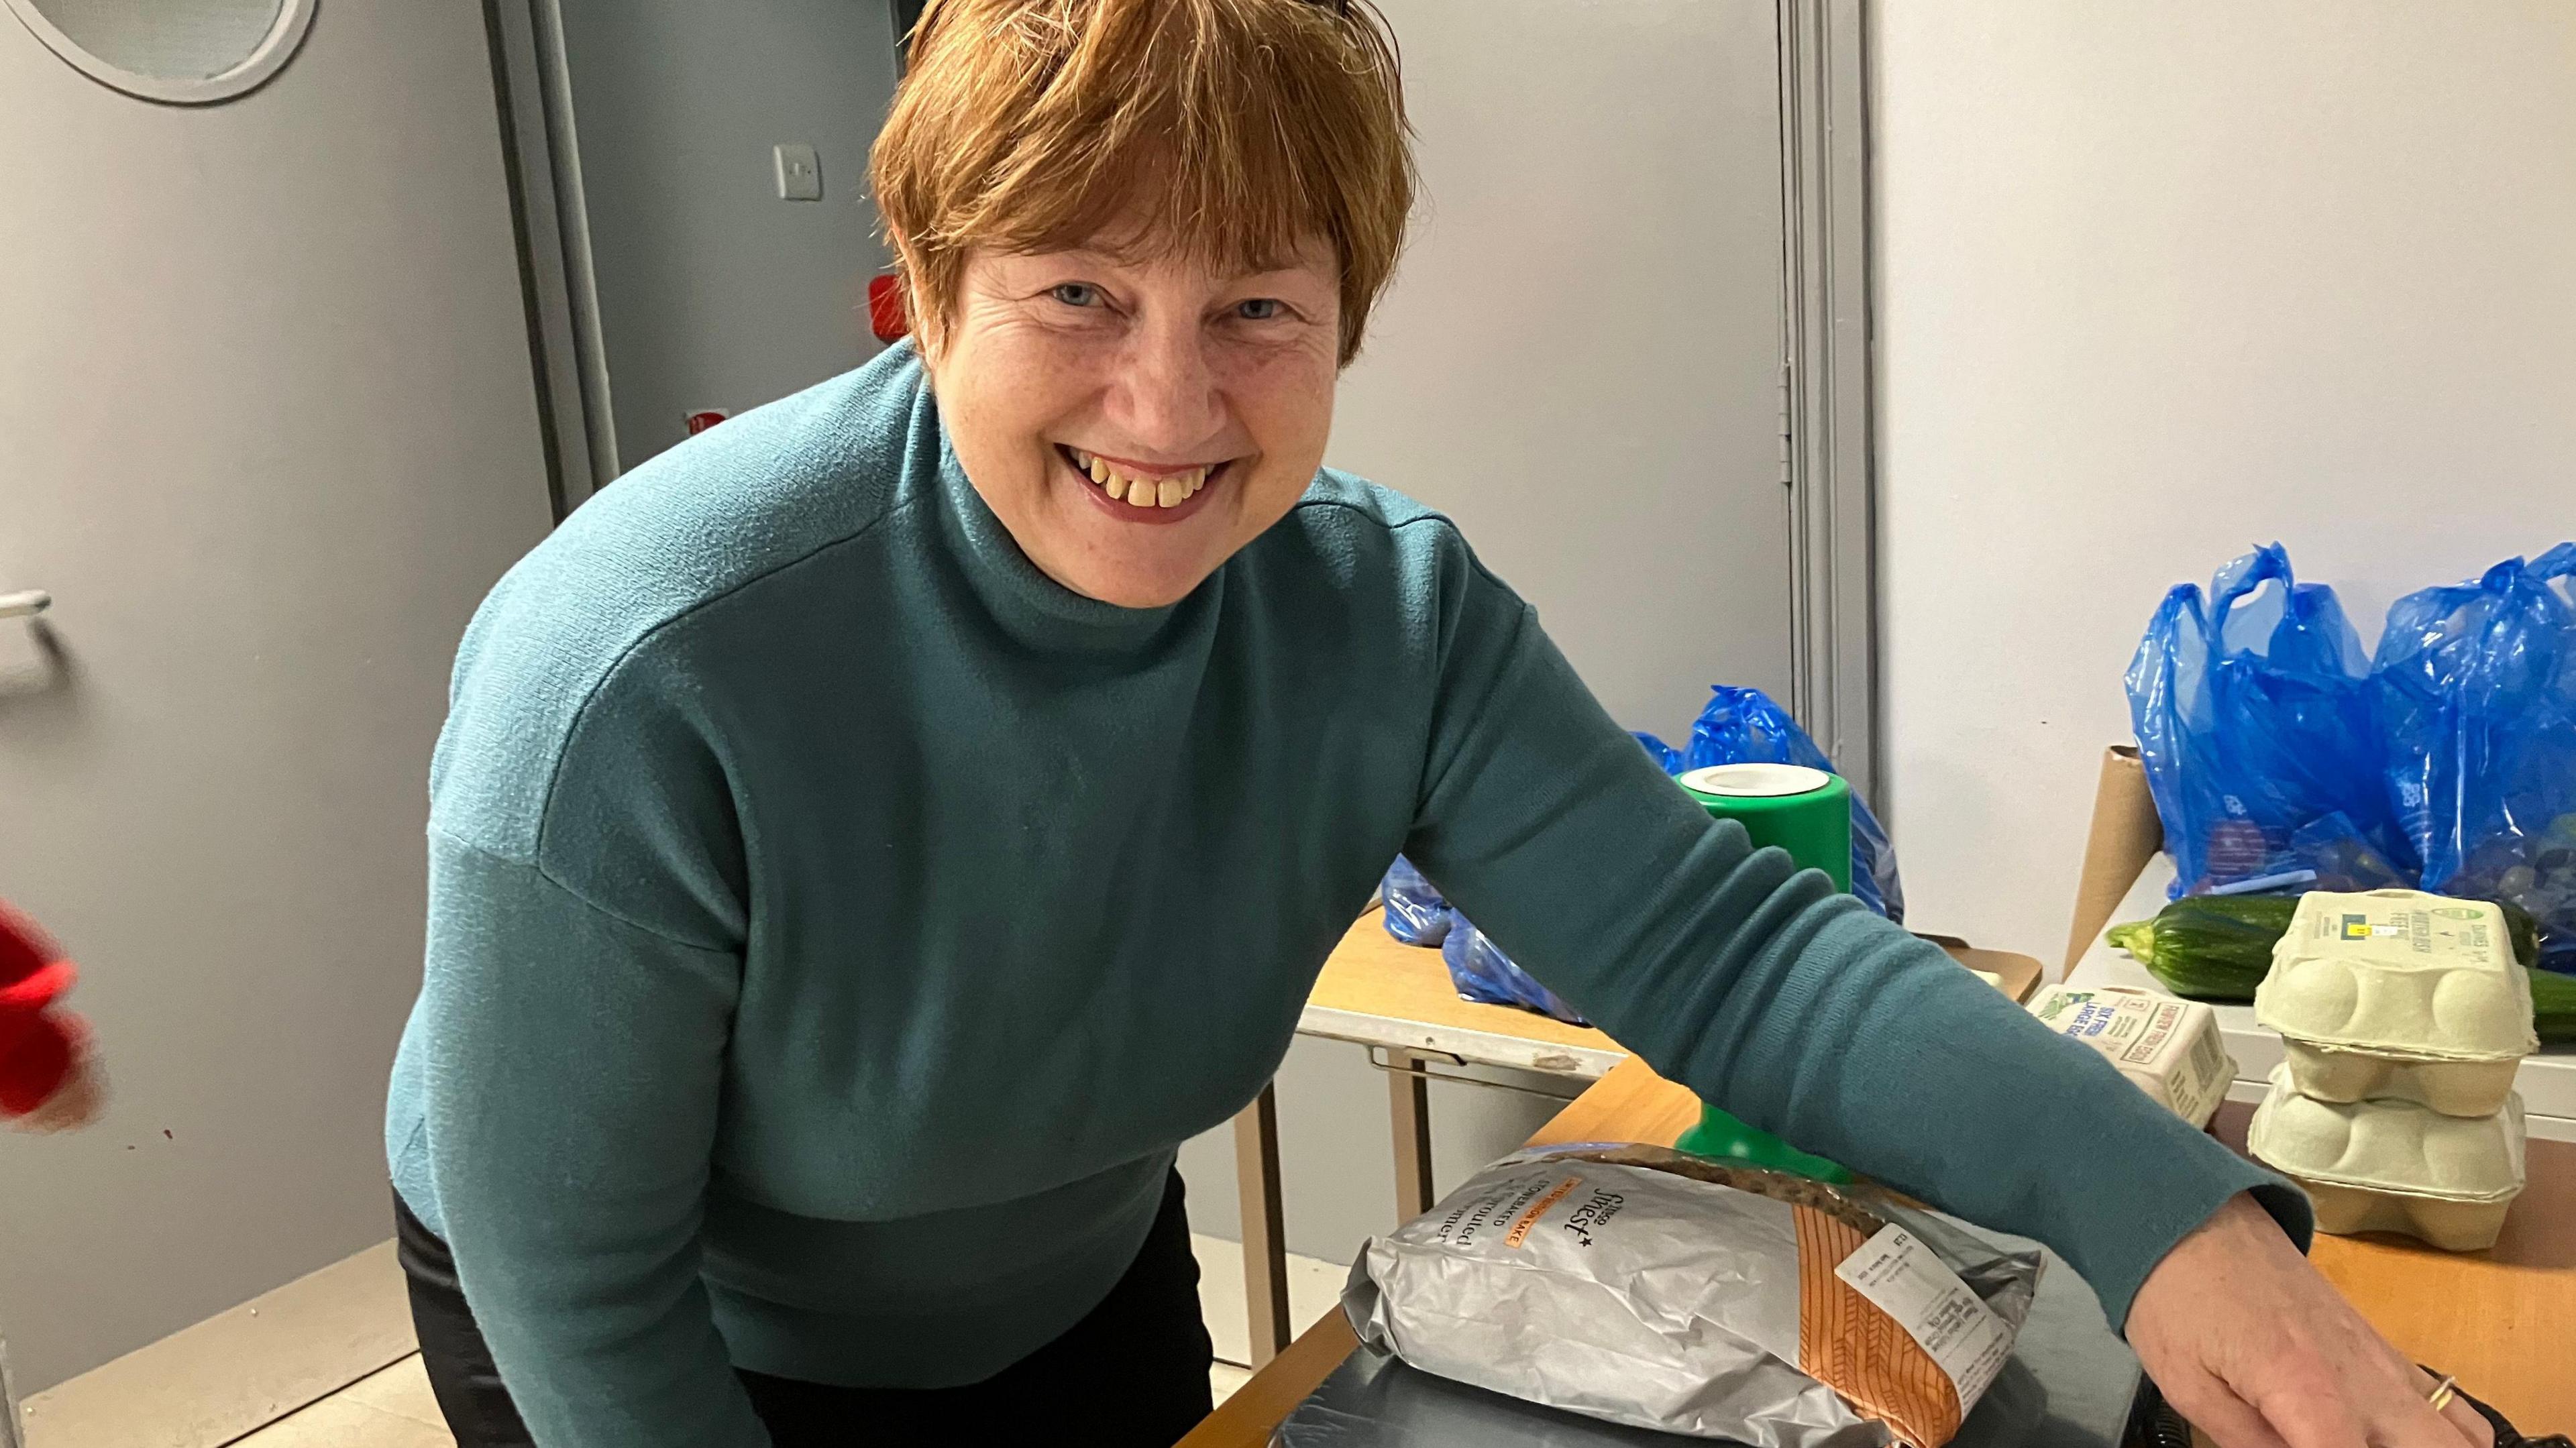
column 835, row 925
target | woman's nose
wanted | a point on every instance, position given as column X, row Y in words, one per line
column 1168, row 391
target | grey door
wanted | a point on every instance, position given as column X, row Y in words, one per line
column 1580, row 358
column 267, row 433
column 1580, row 362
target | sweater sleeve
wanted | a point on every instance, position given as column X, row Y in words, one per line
column 573, row 1083
column 1770, row 995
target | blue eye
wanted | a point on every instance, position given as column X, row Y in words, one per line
column 1259, row 309
column 1075, row 294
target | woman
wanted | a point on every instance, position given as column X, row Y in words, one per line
column 869, row 838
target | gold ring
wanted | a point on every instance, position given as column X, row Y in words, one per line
column 2443, row 1392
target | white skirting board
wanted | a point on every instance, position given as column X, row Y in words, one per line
column 206, row 1385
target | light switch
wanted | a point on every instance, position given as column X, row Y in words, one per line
column 800, row 175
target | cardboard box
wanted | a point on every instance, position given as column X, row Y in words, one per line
column 2126, row 873
column 2124, row 836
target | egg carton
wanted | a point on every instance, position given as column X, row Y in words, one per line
column 2453, row 1088
column 2169, row 1048
column 2401, row 994
column 2394, row 1166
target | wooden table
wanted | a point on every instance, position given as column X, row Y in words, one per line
column 1378, row 992
column 2499, row 1319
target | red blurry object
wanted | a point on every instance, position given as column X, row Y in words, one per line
column 885, row 308
column 704, row 418
column 37, row 1043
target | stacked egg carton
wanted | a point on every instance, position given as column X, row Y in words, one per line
column 2402, row 1018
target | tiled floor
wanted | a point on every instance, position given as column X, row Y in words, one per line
column 393, row 1409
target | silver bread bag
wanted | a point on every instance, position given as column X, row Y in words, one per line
column 1637, row 1285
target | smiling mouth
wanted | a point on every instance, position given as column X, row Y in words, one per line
column 1144, row 492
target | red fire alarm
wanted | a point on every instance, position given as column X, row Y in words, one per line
column 704, row 418
column 885, row 308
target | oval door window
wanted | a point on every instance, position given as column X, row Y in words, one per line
column 186, row 52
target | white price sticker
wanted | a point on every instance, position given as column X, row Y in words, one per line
column 1905, row 1280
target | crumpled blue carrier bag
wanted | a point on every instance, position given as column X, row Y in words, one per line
column 2256, row 725
column 1417, row 915
column 2475, row 688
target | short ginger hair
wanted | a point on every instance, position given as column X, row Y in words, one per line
column 1242, row 128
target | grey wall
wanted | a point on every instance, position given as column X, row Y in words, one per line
column 267, row 431
column 712, row 291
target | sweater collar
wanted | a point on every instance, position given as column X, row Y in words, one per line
column 1029, row 606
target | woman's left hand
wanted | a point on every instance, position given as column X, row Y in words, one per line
column 2258, row 1350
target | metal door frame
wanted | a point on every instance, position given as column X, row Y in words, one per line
column 542, row 155
column 1827, row 409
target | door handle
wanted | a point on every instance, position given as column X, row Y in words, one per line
column 26, row 604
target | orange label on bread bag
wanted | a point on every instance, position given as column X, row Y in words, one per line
column 1847, row 1343
column 1521, row 1225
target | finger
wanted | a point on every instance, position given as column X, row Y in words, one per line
column 2401, row 1413
column 2309, row 1410
column 2454, row 1417
column 2471, row 1423
column 2229, row 1421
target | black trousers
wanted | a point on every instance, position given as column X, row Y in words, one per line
column 1135, row 1371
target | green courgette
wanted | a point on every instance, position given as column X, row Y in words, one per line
column 2553, row 1005
column 2217, row 948
column 2210, row 947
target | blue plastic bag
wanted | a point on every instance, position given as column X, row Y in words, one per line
column 1747, row 726
column 2475, row 686
column 2255, row 721
column 1482, row 972
column 1417, row 915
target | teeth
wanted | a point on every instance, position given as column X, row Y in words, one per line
column 1168, row 492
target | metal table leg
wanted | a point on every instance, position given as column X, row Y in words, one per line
column 1265, row 1237
column 1409, row 1111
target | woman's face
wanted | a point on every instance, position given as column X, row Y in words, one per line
column 1133, row 423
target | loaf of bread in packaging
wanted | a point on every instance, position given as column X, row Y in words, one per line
column 1637, row 1285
